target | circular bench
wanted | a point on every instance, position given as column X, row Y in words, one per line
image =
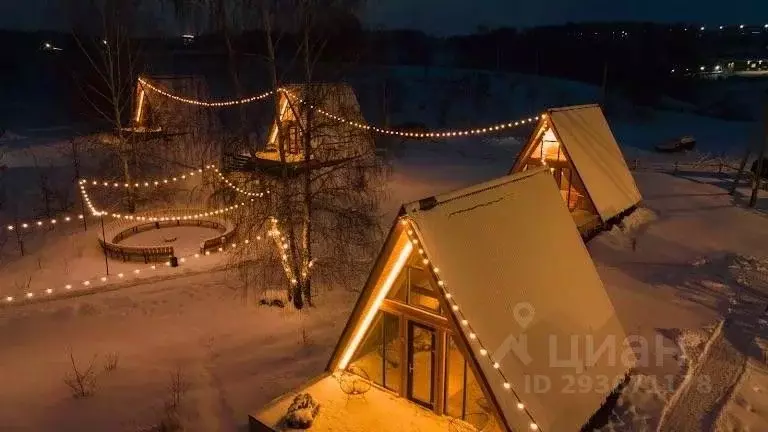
column 123, row 228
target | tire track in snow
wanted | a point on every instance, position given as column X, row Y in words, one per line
column 697, row 403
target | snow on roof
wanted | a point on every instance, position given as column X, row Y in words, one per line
column 507, row 247
column 335, row 98
column 593, row 150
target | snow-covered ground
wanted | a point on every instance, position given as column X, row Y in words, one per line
column 236, row 356
column 692, row 257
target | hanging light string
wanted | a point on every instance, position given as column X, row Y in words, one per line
column 237, row 188
column 97, row 281
column 171, row 180
column 442, row 134
column 147, row 183
column 56, row 221
column 360, row 125
column 52, row 222
column 209, row 104
column 96, row 212
column 466, row 326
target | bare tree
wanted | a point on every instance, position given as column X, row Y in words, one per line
column 103, row 30
column 328, row 208
column 326, row 213
column 82, row 382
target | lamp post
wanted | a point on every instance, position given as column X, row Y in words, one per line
column 104, row 244
column 76, row 166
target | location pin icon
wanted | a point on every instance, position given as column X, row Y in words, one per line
column 523, row 314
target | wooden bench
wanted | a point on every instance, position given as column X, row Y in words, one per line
column 123, row 228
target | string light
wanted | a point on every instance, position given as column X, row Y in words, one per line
column 162, row 218
column 236, row 188
column 442, row 134
column 40, row 223
column 148, row 182
column 88, row 282
column 168, row 180
column 472, row 336
column 218, row 104
column 360, row 125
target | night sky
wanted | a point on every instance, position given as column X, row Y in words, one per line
column 445, row 17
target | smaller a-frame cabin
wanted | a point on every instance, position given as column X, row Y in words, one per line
column 578, row 147
column 469, row 321
column 157, row 109
column 335, row 125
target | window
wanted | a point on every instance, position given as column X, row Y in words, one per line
column 464, row 398
column 414, row 286
column 380, row 353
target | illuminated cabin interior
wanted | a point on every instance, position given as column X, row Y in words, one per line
column 548, row 152
column 288, row 129
column 580, row 151
column 332, row 140
column 440, row 301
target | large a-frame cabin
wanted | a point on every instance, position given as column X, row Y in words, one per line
column 468, row 321
column 578, row 147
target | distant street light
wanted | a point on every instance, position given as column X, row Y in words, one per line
column 47, row 46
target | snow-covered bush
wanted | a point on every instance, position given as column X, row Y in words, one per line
column 302, row 412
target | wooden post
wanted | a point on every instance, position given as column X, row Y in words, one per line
column 742, row 165
column 760, row 155
column 104, row 238
column 18, row 237
column 76, row 166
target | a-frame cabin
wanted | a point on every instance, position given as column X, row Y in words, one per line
column 468, row 320
column 329, row 113
column 578, row 147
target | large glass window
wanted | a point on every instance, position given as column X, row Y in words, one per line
column 414, row 286
column 380, row 353
column 548, row 148
column 464, row 398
